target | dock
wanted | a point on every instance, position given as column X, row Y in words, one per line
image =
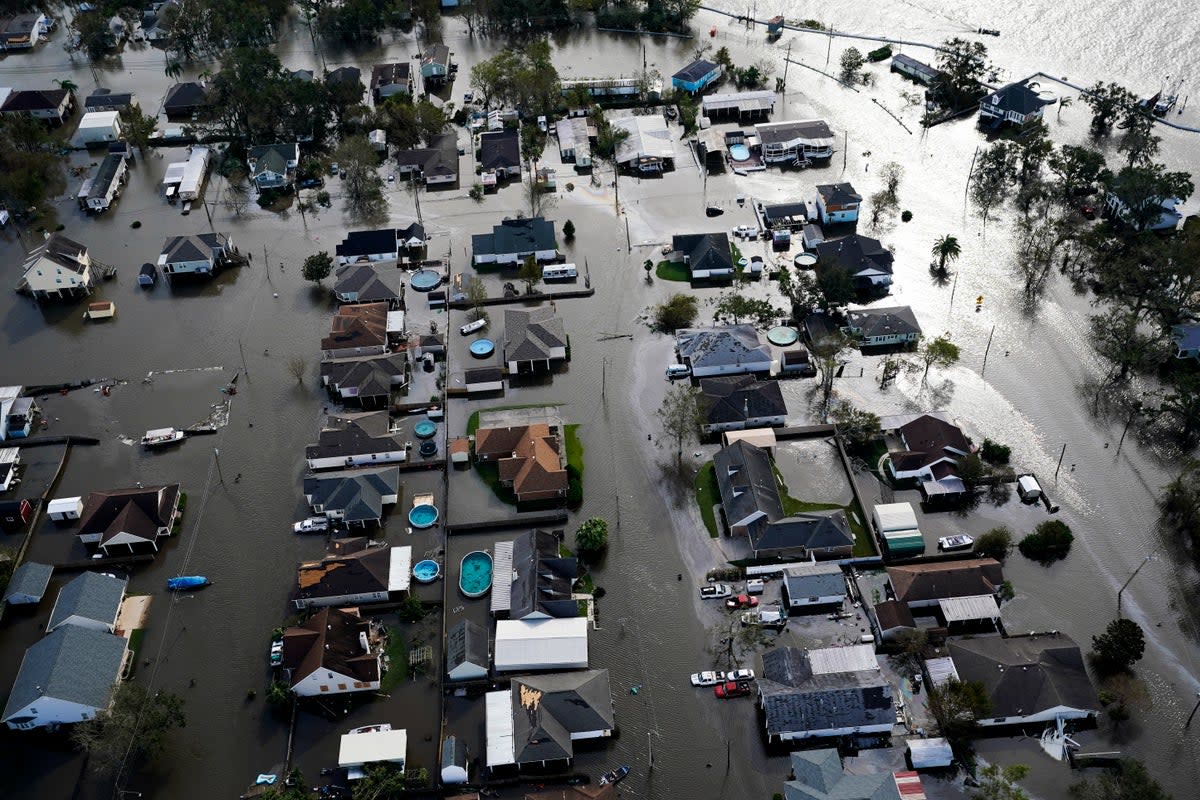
column 529, row 521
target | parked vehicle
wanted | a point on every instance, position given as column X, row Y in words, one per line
column 741, row 601
column 740, row 675
column 713, row 211
column 311, row 525
column 559, row 272
column 716, row 591
column 311, row 183
column 708, row 678
column 755, row 586
column 731, row 689
column 276, row 652
column 745, row 232
column 678, row 371
column 1088, row 211
column 471, row 327
column 960, row 542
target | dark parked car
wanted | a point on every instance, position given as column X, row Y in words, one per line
column 311, row 183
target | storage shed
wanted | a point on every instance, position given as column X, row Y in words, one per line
column 97, row 127
column 362, row 747
column 65, row 508
column 929, row 753
column 541, row 644
column 894, row 517
column 1028, row 488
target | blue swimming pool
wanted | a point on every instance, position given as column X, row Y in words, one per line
column 425, row 429
column 425, row 280
column 427, row 571
column 423, row 516
column 739, row 152
column 475, row 578
column 482, row 348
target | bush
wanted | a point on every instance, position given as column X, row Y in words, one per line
column 569, row 230
column 994, row 544
column 476, row 193
column 137, row 223
column 905, row 215
column 1121, row 645
column 994, row 452
column 678, row 312
column 411, row 609
column 880, row 54
column 574, row 486
column 592, row 535
column 1050, row 541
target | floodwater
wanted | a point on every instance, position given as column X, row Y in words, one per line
column 652, row 629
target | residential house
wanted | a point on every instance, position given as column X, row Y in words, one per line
column 790, row 216
column 368, row 246
column 273, row 166
column 362, row 283
column 107, row 181
column 538, row 718
column 813, row 586
column 97, row 127
column 1015, row 104
column 727, row 350
column 24, row 31
column 467, row 652
column 390, row 79
column 374, row 744
column 867, row 261
column 411, row 237
column 924, row 586
column 28, row 583
column 185, row 99
column 532, row 580
column 89, row 600
column 196, row 254
column 533, row 645
column 154, row 28
column 356, row 440
column 932, row 447
column 820, row 775
column 58, row 268
column 17, row 414
column 738, row 402
column 51, row 105
column 1168, row 217
column 352, row 573
column 890, row 619
column 353, row 497
column 648, row 148
column 357, row 330
column 108, row 100
column 184, row 180
column 1186, row 339
column 346, row 77
column 824, row 693
column 756, row 103
column 66, row 677
column 1030, row 679
column 368, row 381
column 302, row 75
column 696, row 76
column 917, row 70
column 753, row 508
column 436, row 67
column 530, row 459
column 333, row 652
column 878, row 327
column 534, row 339
column 513, row 240
column 609, row 87
column 10, row 459
column 129, row 519
column 436, row 165
column 500, row 153
column 574, row 141
column 707, row 255
column 837, row 203
column 795, row 142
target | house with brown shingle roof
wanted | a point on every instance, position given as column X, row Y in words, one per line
column 357, row 330
column 353, row 573
column 928, row 441
column 332, row 653
column 925, row 585
column 129, row 519
column 530, row 458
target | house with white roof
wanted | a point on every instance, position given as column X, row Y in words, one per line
column 531, row 645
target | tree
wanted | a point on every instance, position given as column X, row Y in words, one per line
column 592, row 535
column 937, row 352
column 1049, row 542
column 96, row 38
column 297, row 367
column 957, row 706
column 30, row 164
column 533, row 142
column 317, row 267
column 946, row 249
column 1130, row 780
column 1143, row 189
column 138, row 128
column 722, row 58
column 292, row 789
column 476, row 292
column 835, row 282
column 569, row 231
column 994, row 174
column 537, row 199
column 826, row 352
column 132, row 731
column 994, row 452
column 881, row 204
column 851, row 62
column 801, row 290
column 609, row 138
column 996, row 543
column 891, row 173
column 1120, row 336
column 381, row 782
column 911, row 644
column 1000, row 783
column 411, row 609
column 971, row 470
column 963, row 63
column 1120, row 646
column 1182, row 404
column 530, row 272
column 738, row 306
column 859, row 428
column 680, row 417
column 1076, row 167
column 1108, row 102
column 360, row 180
column 1138, row 142
column 679, row 311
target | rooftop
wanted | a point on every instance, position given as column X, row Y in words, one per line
column 330, row 639
column 140, row 513
column 1026, row 674
column 89, row 596
column 532, row 335
column 72, row 664
column 937, row 581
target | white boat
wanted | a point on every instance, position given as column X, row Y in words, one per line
column 161, row 437
column 383, row 726
column 960, row 542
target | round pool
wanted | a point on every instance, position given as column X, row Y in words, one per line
column 782, row 336
column 423, row 516
column 805, row 260
column 425, row 280
column 427, row 448
column 427, row 571
column 739, row 152
column 425, row 429
column 475, row 577
column 482, row 348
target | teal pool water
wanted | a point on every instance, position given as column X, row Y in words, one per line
column 427, row 571
column 475, row 578
column 423, row 516
column 425, row 429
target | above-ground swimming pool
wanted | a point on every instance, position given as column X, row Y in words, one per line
column 475, row 578
column 805, row 260
column 428, row 448
column 425, row 429
column 482, row 348
column 423, row 516
column 739, row 152
column 783, row 336
column 425, row 280
column 427, row 571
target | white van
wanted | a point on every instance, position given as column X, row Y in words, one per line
column 471, row 327
column 559, row 272
column 678, row 371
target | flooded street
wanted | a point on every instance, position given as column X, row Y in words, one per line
column 652, row 629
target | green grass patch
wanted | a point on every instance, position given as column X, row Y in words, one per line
column 708, row 494
column 735, row 252
column 135, row 645
column 673, row 271
column 863, row 546
column 397, row 653
column 574, row 447
column 473, row 420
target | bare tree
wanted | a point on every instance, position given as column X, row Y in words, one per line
column 680, row 416
column 237, row 192
column 476, row 292
column 297, row 368
column 539, row 201
column 826, row 351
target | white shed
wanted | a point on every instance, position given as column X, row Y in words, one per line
column 894, row 517
column 361, row 747
column 97, row 127
column 1028, row 488
column 541, row 644
column 64, row 508
column 930, row 753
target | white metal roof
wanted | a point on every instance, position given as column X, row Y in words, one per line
column 648, row 138
column 400, row 569
column 98, row 119
column 357, row 749
column 895, row 517
column 395, row 322
column 854, row 658
column 1028, row 483
column 502, row 576
column 63, row 504
column 541, row 644
column 499, row 726
column 929, row 753
column 174, row 173
column 194, row 169
column 10, row 455
column 940, row 670
column 962, row 609
column 742, row 101
column 10, row 392
column 759, row 437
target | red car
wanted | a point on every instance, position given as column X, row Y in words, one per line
column 731, row 689
column 742, row 601
column 1089, row 212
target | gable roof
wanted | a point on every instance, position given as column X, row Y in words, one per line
column 695, row 71
column 1015, row 97
column 530, row 335
column 893, row 321
column 727, row 345
column 814, row 580
column 440, row 158
column 195, row 247
column 60, row 250
column 330, row 640
column 819, row 775
column 705, row 251
column 370, row 375
column 91, row 596
column 397, row 73
column 736, row 398
column 78, row 665
column 344, row 75
column 934, row 581
column 362, row 325
column 747, row 483
column 436, row 54
column 35, row 100
column 859, row 255
column 365, row 281
column 528, row 235
column 541, row 580
column 108, row 99
column 814, row 530
column 796, row 699
column 351, row 568
column 1024, row 675
column 838, row 194
column 273, row 157
column 31, row 578
column 366, row 243
column 500, row 149
column 358, row 494
column 893, row 614
column 138, row 512
column 547, row 709
column 355, row 435
column 536, row 463
column 929, row 439
column 185, row 95
column 466, row 643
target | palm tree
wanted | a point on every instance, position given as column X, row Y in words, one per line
column 66, row 84
column 946, row 249
column 1063, row 102
column 174, row 69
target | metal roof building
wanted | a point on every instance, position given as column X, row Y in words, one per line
column 541, row 644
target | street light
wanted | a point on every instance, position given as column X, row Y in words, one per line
column 1128, row 581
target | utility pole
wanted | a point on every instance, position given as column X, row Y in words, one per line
column 787, row 62
column 217, row 459
column 242, row 350
column 1128, row 581
column 986, row 351
column 1060, row 458
column 829, row 49
column 845, row 149
column 1194, row 709
column 603, row 378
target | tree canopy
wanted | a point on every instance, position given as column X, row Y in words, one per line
column 592, row 535
column 133, row 731
column 1122, row 644
column 679, row 417
column 678, row 311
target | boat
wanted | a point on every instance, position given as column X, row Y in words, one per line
column 960, row 542
column 161, row 437
column 383, row 726
column 614, row 776
column 184, row 583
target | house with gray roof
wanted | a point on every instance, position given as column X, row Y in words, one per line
column 1015, row 104
column 368, row 381
column 738, row 402
column 726, row 350
column 90, row 600
column 500, row 153
column 363, row 283
column 541, row 580
column 514, row 239
column 877, row 327
column 353, row 497
column 534, row 339
column 273, row 166
column 64, row 678
column 820, row 775
column 800, row 702
column 28, row 583
column 357, row 440
column 197, row 253
column 538, row 719
column 185, row 99
column 813, row 586
column 868, row 262
column 467, row 652
column 108, row 100
column 837, row 202
column 706, row 255
column 1186, row 339
column 435, row 165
